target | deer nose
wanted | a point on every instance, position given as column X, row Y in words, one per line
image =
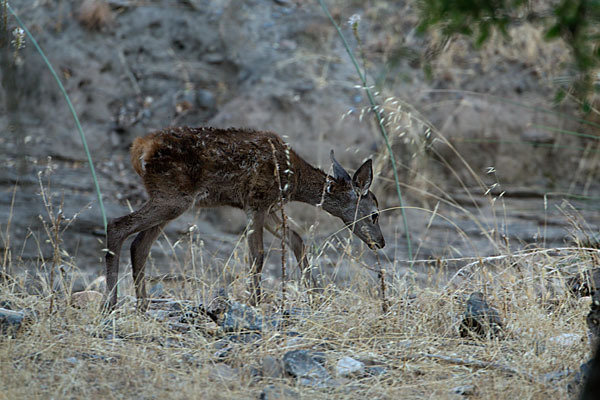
column 377, row 245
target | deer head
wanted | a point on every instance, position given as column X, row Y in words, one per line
column 349, row 198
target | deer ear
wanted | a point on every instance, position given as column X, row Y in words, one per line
column 339, row 173
column 363, row 177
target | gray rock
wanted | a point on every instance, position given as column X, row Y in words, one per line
column 304, row 365
column 273, row 392
column 223, row 372
column 205, row 99
column 156, row 291
column 349, row 366
column 375, row 371
column 10, row 321
column 240, row 317
column 479, row 318
column 464, row 390
column 272, row 367
column 72, row 360
column 557, row 375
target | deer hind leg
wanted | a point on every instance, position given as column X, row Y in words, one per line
column 153, row 212
column 256, row 222
column 140, row 248
column 294, row 241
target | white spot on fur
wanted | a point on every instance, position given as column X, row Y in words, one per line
column 142, row 161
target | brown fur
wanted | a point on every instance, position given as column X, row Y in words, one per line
column 233, row 167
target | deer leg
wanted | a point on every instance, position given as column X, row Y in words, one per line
column 256, row 220
column 153, row 213
column 293, row 240
column 140, row 247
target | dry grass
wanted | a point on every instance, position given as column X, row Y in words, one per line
column 80, row 353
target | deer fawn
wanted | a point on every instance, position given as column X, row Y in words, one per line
column 252, row 170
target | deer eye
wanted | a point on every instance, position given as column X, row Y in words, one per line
column 375, row 217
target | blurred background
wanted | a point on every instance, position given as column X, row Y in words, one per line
column 495, row 153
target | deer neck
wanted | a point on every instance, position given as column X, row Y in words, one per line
column 311, row 185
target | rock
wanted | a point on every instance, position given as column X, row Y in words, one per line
column 10, row 321
column 303, row 365
column 222, row 371
column 72, row 360
column 159, row 315
column 205, row 99
column 479, row 318
column 375, row 371
column 349, row 366
column 246, row 337
column 240, row 317
column 557, row 375
column 272, row 367
column 464, row 390
column 566, row 339
column 273, row 392
column 537, row 136
column 156, row 291
column 87, row 299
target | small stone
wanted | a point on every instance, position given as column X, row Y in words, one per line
column 303, row 365
column 87, row 299
column 479, row 318
column 557, row 375
column 205, row 99
column 72, row 360
column 375, row 371
column 566, row 339
column 223, row 372
column 464, row 390
column 156, row 291
column 273, row 392
column 159, row 315
column 240, row 317
column 272, row 367
column 10, row 321
column 349, row 366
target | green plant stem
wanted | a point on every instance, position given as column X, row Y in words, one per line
column 380, row 124
column 71, row 108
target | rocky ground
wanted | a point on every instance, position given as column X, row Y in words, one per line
column 490, row 166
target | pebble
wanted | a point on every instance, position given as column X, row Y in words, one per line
column 566, row 339
column 349, row 366
column 87, row 299
column 10, row 321
column 304, row 365
column 272, row 367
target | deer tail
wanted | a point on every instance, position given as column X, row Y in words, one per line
column 142, row 150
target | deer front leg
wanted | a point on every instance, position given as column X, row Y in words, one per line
column 256, row 220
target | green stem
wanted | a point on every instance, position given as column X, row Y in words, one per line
column 380, row 123
column 71, row 108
